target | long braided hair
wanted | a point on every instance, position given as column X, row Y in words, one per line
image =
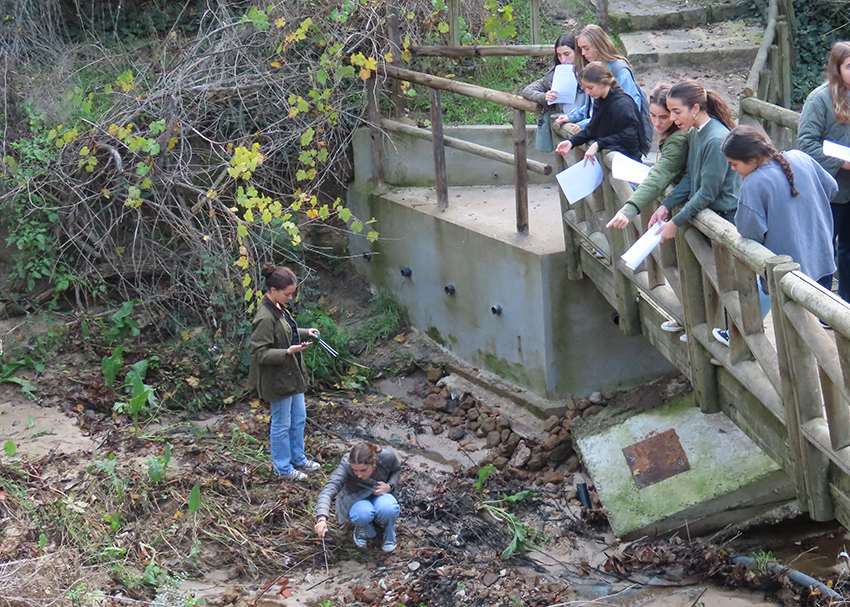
column 746, row 143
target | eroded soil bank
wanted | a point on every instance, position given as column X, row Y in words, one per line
column 85, row 524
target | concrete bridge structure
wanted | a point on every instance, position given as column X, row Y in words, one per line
column 492, row 262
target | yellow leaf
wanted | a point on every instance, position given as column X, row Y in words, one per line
column 206, row 238
column 279, row 22
column 105, row 192
column 312, row 213
column 364, row 73
column 400, row 338
column 192, row 381
column 389, row 57
column 246, row 280
column 185, row 335
column 178, row 514
column 120, row 250
column 172, row 142
column 275, row 64
column 254, row 404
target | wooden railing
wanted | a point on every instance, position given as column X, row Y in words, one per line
column 435, row 85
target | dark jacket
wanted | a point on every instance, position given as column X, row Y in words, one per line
column 349, row 489
column 817, row 122
column 615, row 125
column 274, row 373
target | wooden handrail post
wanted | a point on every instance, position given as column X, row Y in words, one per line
column 627, row 294
column 377, row 147
column 783, row 35
column 395, row 48
column 703, row 373
column 535, row 21
column 800, row 391
column 521, row 172
column 571, row 246
column 454, row 22
column 439, row 148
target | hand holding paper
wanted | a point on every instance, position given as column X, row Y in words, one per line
column 644, row 245
column 627, row 169
column 564, row 82
column 842, row 152
column 580, row 180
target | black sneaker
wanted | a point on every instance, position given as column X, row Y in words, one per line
column 721, row 335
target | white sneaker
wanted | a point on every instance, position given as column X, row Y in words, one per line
column 721, row 335
column 310, row 466
column 295, row 475
column 671, row 326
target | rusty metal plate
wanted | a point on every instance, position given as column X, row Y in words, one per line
column 656, row 458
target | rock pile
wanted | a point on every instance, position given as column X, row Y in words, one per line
column 545, row 459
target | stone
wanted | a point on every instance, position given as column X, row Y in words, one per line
column 566, row 423
column 551, row 423
column 480, row 433
column 433, row 374
column 536, row 462
column 596, row 398
column 568, row 403
column 456, row 433
column 489, row 425
column 436, row 427
column 231, row 595
column 490, row 578
column 573, row 463
column 592, row 410
column 473, row 425
column 493, row 439
column 550, row 476
column 500, row 462
column 582, row 404
column 504, row 423
column 564, row 434
column 467, row 402
column 521, row 455
column 435, row 402
column 444, row 393
column 550, row 488
column 560, row 453
column 551, row 442
column 454, row 421
column 413, row 565
column 270, row 600
column 472, row 414
column 573, row 414
column 505, row 435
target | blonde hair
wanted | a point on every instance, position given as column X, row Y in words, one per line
column 597, row 72
column 838, row 90
column 601, row 43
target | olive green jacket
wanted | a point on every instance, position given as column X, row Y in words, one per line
column 274, row 373
column 667, row 171
column 817, row 122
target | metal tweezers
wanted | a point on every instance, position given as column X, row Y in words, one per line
column 325, row 345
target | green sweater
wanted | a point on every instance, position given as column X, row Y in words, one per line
column 709, row 183
column 817, row 122
column 667, row 171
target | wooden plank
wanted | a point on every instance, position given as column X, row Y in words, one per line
column 840, row 430
column 776, row 268
column 584, row 231
column 461, row 88
column 774, row 61
column 520, row 172
column 570, row 242
column 627, row 295
column 783, row 35
column 375, row 135
column 841, row 503
column 703, row 373
column 439, row 149
column 534, row 166
column 454, row 22
column 835, row 406
column 394, row 35
column 768, row 111
column 669, row 344
column 535, row 21
column 600, row 274
column 486, row 50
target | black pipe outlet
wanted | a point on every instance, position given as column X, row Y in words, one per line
column 367, row 256
column 449, row 289
column 584, row 496
column 406, row 272
column 496, row 310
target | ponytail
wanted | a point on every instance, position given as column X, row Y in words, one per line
column 716, row 107
column 364, row 453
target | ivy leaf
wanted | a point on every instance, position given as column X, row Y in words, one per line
column 157, row 127
column 322, row 76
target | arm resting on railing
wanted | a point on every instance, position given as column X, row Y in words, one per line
column 536, row 91
column 668, row 170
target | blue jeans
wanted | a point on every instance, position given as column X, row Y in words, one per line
column 841, row 233
column 286, row 435
column 382, row 508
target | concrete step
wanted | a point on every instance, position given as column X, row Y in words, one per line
column 671, row 468
column 727, row 45
column 636, row 15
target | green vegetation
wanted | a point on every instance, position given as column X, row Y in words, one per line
column 522, row 536
column 820, row 24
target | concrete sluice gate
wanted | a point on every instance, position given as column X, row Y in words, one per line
column 494, row 298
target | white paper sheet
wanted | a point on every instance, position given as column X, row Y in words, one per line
column 842, row 152
column 644, row 245
column 627, row 169
column 564, row 81
column 580, row 179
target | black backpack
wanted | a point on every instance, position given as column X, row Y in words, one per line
column 646, row 125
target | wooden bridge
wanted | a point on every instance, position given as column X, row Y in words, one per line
column 786, row 384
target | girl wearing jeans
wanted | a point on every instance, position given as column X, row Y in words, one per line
column 363, row 485
column 277, row 372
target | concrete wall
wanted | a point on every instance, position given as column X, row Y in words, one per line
column 554, row 336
